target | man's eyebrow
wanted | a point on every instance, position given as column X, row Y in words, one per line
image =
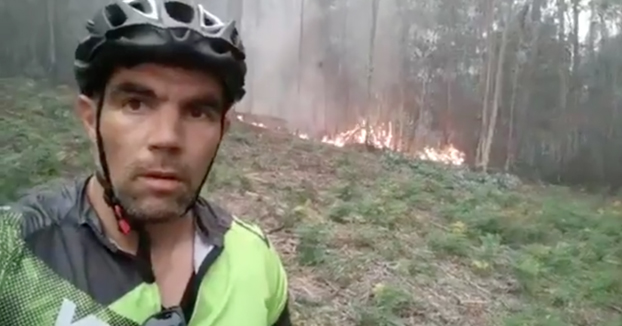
column 132, row 88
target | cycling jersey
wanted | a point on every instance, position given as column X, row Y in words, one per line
column 58, row 268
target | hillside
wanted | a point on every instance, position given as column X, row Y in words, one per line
column 376, row 238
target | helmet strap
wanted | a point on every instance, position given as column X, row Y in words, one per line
column 104, row 178
column 211, row 163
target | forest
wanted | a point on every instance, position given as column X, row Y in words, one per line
column 522, row 97
column 531, row 87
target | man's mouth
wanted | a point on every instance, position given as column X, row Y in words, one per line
column 162, row 181
column 166, row 175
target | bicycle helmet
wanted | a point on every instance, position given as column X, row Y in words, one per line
column 176, row 32
column 126, row 33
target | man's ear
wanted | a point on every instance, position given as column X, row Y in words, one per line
column 86, row 110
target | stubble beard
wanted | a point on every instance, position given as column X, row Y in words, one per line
column 147, row 209
column 144, row 208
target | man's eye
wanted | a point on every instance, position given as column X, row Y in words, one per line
column 134, row 104
column 203, row 113
column 198, row 112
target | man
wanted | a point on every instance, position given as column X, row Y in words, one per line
column 135, row 244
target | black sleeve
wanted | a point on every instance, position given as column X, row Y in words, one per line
column 284, row 318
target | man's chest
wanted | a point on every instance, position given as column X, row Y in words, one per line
column 96, row 288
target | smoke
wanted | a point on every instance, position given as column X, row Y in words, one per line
column 306, row 84
column 285, row 79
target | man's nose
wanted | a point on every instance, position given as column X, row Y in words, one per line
column 166, row 129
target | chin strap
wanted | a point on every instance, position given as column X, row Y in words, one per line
column 124, row 225
column 104, row 177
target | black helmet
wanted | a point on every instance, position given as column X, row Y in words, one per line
column 130, row 32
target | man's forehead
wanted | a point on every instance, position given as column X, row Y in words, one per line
column 165, row 81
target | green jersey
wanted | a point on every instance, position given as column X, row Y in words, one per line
column 58, row 268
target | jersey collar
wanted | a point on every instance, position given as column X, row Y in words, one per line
column 212, row 221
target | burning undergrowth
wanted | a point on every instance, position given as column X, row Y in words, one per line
column 378, row 136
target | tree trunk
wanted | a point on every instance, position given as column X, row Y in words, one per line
column 510, row 146
column 524, row 103
column 563, row 79
column 562, row 71
column 370, row 65
column 496, row 102
column 575, row 85
column 518, row 64
column 614, row 104
column 419, row 116
column 447, row 124
column 403, row 117
column 488, row 84
column 51, row 22
column 342, row 73
column 300, row 49
column 591, row 36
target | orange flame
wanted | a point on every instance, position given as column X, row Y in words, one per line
column 381, row 136
column 448, row 155
column 256, row 124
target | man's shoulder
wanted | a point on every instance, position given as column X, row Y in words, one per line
column 220, row 220
column 47, row 204
column 247, row 244
column 248, row 231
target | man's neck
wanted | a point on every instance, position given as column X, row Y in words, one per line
column 163, row 236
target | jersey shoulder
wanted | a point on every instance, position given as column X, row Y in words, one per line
column 37, row 210
column 249, row 231
column 48, row 205
column 249, row 242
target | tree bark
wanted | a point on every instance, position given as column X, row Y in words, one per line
column 563, row 79
column 51, row 21
column 498, row 88
column 488, row 84
column 370, row 65
column 521, row 132
column 300, row 49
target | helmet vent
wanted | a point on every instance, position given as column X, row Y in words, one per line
column 115, row 15
column 145, row 7
column 208, row 22
column 180, row 33
column 179, row 11
column 208, row 19
column 141, row 6
column 235, row 37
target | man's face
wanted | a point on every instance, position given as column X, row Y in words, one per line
column 160, row 127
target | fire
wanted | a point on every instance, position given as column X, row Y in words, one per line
column 256, row 124
column 380, row 136
column 448, row 155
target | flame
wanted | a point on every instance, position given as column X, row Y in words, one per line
column 256, row 124
column 448, row 155
column 381, row 136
